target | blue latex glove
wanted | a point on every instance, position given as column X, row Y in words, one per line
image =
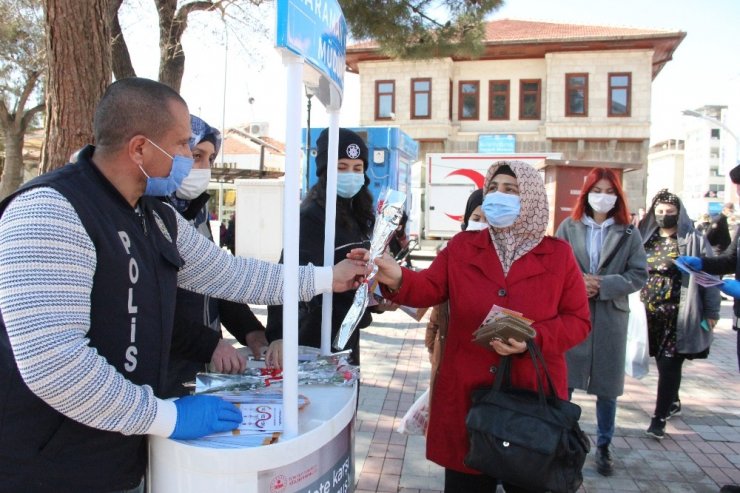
column 201, row 415
column 731, row 288
column 693, row 262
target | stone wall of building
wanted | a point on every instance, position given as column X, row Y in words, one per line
column 597, row 137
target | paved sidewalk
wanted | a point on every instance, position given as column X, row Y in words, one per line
column 700, row 453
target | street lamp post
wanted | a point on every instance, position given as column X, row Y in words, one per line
column 720, row 124
column 308, row 139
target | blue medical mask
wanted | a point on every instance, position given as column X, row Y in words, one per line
column 348, row 184
column 160, row 186
column 501, row 209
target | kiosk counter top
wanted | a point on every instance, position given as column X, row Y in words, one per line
column 321, row 453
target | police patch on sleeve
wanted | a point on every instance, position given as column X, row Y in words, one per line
column 160, row 224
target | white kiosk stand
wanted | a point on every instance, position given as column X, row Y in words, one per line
column 316, row 450
column 319, row 459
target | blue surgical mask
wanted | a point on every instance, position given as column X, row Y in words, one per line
column 165, row 185
column 501, row 209
column 348, row 184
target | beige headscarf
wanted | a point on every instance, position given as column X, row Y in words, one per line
column 529, row 228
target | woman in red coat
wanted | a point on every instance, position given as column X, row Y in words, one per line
column 511, row 264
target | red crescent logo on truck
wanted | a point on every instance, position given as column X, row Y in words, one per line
column 470, row 174
column 473, row 176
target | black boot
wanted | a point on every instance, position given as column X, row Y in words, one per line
column 656, row 428
column 730, row 488
column 604, row 464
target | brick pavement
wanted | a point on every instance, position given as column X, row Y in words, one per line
column 700, row 453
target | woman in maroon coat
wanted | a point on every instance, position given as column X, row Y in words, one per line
column 511, row 264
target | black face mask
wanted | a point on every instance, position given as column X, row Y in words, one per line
column 667, row 221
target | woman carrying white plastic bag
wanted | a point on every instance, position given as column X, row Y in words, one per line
column 415, row 421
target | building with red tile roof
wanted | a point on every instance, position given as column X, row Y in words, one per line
column 580, row 90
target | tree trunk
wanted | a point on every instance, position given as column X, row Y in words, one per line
column 121, row 59
column 172, row 64
column 12, row 176
column 79, row 56
column 171, row 56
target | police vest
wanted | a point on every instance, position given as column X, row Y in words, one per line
column 131, row 317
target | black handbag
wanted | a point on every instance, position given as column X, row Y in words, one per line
column 526, row 438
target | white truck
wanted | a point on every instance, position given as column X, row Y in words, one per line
column 451, row 177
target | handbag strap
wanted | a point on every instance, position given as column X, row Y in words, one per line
column 538, row 361
column 627, row 232
column 536, row 355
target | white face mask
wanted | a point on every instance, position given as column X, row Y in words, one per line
column 602, row 202
column 194, row 184
column 476, row 226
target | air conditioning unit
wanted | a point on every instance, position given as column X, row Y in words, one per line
column 259, row 129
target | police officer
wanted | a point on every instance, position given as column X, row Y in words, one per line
column 727, row 263
column 90, row 262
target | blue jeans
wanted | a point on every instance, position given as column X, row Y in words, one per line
column 606, row 413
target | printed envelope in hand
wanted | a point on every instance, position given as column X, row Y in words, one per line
column 504, row 324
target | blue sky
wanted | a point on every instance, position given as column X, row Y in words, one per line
column 705, row 69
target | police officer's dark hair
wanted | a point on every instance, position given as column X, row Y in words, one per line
column 735, row 175
column 133, row 106
column 358, row 209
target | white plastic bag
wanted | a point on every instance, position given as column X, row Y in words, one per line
column 637, row 357
column 415, row 420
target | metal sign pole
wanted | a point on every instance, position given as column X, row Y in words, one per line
column 291, row 204
column 329, row 226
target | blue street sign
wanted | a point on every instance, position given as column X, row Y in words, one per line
column 316, row 31
column 496, row 143
column 714, row 208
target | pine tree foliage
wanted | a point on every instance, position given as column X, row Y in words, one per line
column 416, row 29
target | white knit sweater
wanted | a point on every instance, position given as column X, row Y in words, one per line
column 47, row 263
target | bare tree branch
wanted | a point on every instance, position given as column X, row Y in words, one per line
column 419, row 10
column 31, row 80
column 28, row 116
column 4, row 115
column 121, row 59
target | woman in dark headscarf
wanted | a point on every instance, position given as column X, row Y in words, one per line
column 473, row 219
column 511, row 264
column 196, row 339
column 680, row 313
column 354, row 223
